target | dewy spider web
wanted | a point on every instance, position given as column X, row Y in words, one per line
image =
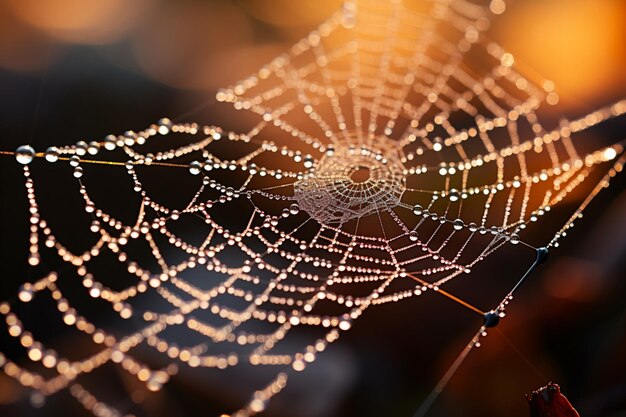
column 395, row 148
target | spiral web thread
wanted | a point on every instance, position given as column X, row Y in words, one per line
column 394, row 148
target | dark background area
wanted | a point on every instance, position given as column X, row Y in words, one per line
column 88, row 77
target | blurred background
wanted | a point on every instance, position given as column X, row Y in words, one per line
column 72, row 70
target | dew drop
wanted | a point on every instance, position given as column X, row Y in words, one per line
column 129, row 138
column 26, row 294
column 95, row 226
column 258, row 405
column 195, row 167
column 24, row 154
column 110, row 142
column 93, row 147
column 454, row 195
column 349, row 15
column 81, row 148
column 52, row 154
column 165, row 125
column 74, row 161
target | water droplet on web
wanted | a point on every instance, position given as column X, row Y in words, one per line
column 195, row 167
column 93, row 147
column 454, row 195
column 81, row 148
column 74, row 161
column 110, row 142
column 24, row 154
column 52, row 154
column 327, row 190
column 165, row 125
column 129, row 138
column 348, row 19
column 258, row 405
column 26, row 293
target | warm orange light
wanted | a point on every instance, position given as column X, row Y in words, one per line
column 577, row 43
column 289, row 13
column 94, row 21
column 185, row 45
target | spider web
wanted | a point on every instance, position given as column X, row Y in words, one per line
column 391, row 150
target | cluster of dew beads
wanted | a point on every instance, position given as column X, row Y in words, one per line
column 351, row 182
column 392, row 151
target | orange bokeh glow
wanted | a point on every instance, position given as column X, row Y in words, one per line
column 91, row 22
column 579, row 44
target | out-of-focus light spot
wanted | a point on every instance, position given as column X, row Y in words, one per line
column 90, row 22
column 609, row 153
column 507, row 60
column 574, row 279
column 289, row 13
column 577, row 43
column 22, row 48
column 552, row 99
column 548, row 86
column 185, row 46
column 497, row 6
column 257, row 405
